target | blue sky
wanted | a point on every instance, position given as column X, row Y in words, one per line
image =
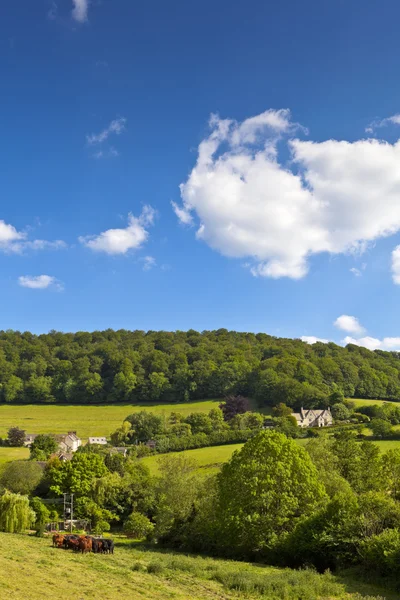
column 291, row 220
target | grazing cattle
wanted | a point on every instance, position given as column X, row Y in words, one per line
column 108, row 546
column 97, row 546
column 85, row 545
column 73, row 544
column 58, row 540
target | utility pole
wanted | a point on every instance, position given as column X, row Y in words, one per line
column 69, row 509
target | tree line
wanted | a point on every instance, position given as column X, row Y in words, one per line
column 137, row 366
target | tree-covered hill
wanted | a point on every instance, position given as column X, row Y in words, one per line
column 137, row 366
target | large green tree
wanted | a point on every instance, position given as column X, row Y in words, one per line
column 264, row 490
column 21, row 476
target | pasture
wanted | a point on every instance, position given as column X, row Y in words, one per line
column 30, row 569
column 207, row 459
column 361, row 402
column 89, row 420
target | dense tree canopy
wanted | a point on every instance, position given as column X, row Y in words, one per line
column 263, row 490
column 137, row 366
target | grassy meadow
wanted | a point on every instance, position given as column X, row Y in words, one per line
column 96, row 420
column 30, row 569
column 88, row 420
column 208, row 459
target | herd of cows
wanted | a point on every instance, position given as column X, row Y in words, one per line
column 83, row 543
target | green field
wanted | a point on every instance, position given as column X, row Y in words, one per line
column 85, row 420
column 361, row 402
column 207, row 458
column 30, row 569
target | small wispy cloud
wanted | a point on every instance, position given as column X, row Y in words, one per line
column 110, row 153
column 116, row 127
column 52, row 12
column 40, row 282
column 14, row 241
column 149, row 262
column 358, row 272
column 183, row 214
column 120, row 241
column 377, row 123
column 80, row 10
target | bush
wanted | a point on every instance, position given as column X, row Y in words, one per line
column 138, row 526
column 155, row 568
column 381, row 553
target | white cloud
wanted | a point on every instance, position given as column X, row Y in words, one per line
column 349, row 324
column 9, row 235
column 149, row 263
column 13, row 241
column 80, row 10
column 120, row 241
column 358, row 272
column 333, row 196
column 396, row 265
column 111, row 153
column 311, row 339
column 183, row 215
column 116, row 127
column 393, row 120
column 388, row 344
column 39, row 282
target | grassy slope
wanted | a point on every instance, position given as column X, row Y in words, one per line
column 86, row 420
column 207, row 458
column 361, row 402
column 30, row 569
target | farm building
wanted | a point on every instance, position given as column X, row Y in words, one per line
column 97, row 440
column 313, row 418
column 69, row 442
column 29, row 439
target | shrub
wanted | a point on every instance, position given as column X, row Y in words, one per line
column 155, row 568
column 381, row 552
column 138, row 526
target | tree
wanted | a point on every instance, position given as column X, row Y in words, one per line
column 199, row 423
column 281, row 410
column 263, row 491
column 144, row 426
column 288, row 426
column 327, row 464
column 42, row 447
column 21, row 476
column 16, row 437
column 13, row 389
column 176, row 492
column 340, row 412
column 42, row 513
column 234, row 405
column 381, row 428
column 76, row 475
column 15, row 513
column 138, row 526
column 391, row 472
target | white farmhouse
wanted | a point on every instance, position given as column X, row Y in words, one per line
column 313, row 418
column 69, row 442
column 97, row 440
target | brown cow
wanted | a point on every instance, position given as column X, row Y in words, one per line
column 58, row 540
column 73, row 544
column 85, row 545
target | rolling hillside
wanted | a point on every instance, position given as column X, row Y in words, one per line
column 30, row 569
